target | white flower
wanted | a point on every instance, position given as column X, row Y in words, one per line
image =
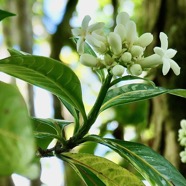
column 98, row 42
column 85, row 30
column 166, row 55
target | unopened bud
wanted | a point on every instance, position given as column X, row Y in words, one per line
column 126, row 57
column 115, row 43
column 122, row 18
column 136, row 69
column 145, row 39
column 89, row 60
column 108, row 60
column 136, row 51
column 118, row 70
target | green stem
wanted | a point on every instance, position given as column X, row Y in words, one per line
column 94, row 111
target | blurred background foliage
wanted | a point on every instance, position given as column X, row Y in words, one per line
column 43, row 27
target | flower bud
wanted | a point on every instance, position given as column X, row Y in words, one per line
column 144, row 40
column 183, row 124
column 118, row 70
column 115, row 43
column 126, row 57
column 183, row 156
column 136, row 51
column 131, row 33
column 150, row 61
column 108, row 60
column 121, row 31
column 89, row 60
column 136, row 69
column 122, row 18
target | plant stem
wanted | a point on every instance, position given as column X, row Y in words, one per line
column 94, row 111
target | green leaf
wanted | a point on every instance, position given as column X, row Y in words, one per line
column 130, row 93
column 45, row 130
column 46, row 73
column 132, row 78
column 152, row 166
column 4, row 14
column 178, row 92
column 17, row 144
column 93, row 167
column 89, row 178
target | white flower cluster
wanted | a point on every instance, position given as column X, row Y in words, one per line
column 182, row 139
column 123, row 48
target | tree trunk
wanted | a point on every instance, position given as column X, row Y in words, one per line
column 168, row 16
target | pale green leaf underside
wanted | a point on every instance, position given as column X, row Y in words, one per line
column 108, row 172
column 46, row 73
column 152, row 166
column 17, row 144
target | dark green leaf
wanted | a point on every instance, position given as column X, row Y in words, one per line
column 4, row 14
column 105, row 170
column 152, row 166
column 130, row 93
column 17, row 144
column 43, row 127
column 46, row 73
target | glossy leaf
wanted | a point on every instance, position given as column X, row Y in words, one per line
column 152, row 166
column 132, row 78
column 17, row 144
column 46, row 73
column 97, row 170
column 4, row 14
column 130, row 93
column 46, row 130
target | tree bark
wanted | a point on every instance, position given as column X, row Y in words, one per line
column 168, row 16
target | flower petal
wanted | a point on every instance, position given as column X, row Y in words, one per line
column 76, row 31
column 95, row 26
column 85, row 22
column 175, row 67
column 166, row 66
column 170, row 53
column 80, row 45
column 164, row 40
column 159, row 51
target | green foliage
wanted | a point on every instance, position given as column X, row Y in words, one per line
column 95, row 170
column 46, row 73
column 152, row 166
column 17, row 142
column 5, row 14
